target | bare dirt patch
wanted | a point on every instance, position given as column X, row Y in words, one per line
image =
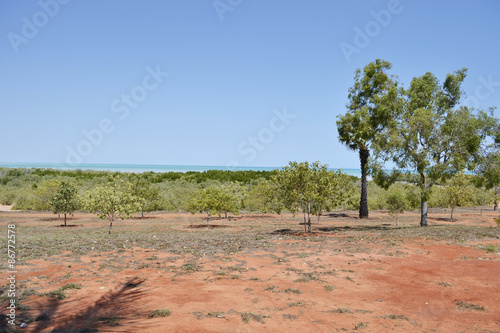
column 5, row 208
column 257, row 274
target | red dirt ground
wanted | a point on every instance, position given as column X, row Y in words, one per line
column 299, row 284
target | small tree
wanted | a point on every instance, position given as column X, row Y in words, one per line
column 232, row 198
column 150, row 196
column 262, row 198
column 44, row 192
column 212, row 200
column 397, row 203
column 305, row 186
column 337, row 190
column 112, row 202
column 64, row 201
column 456, row 193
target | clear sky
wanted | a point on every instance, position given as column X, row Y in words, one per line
column 239, row 82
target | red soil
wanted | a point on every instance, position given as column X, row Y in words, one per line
column 298, row 285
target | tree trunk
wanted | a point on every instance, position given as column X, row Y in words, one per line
column 363, row 202
column 423, row 200
column 305, row 222
column 423, row 214
column 142, row 214
column 110, row 225
column 208, row 218
column 308, row 217
column 64, row 219
column 397, row 214
column 451, row 216
column 495, row 206
column 226, row 214
column 58, row 215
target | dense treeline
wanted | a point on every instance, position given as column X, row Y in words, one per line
column 31, row 189
column 244, row 176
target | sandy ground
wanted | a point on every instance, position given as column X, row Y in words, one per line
column 299, row 284
column 5, row 208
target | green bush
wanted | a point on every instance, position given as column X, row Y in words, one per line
column 7, row 198
column 23, row 202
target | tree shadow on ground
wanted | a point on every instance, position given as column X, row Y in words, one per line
column 338, row 215
column 378, row 227
column 442, row 219
column 324, row 230
column 210, row 226
column 106, row 311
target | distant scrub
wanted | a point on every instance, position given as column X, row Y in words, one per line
column 22, row 187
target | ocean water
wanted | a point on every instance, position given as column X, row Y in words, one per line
column 138, row 168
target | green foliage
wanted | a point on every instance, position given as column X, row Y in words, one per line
column 64, row 200
column 397, row 203
column 112, row 202
column 149, row 195
column 456, row 193
column 44, row 193
column 372, row 99
column 7, row 198
column 24, row 202
column 430, row 135
column 213, row 200
column 309, row 188
column 262, row 198
column 160, row 313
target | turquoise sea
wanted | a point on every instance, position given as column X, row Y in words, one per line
column 138, row 168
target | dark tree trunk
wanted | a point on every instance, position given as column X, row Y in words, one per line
column 58, row 215
column 142, row 214
column 363, row 202
column 110, row 225
column 309, row 217
column 64, row 219
column 495, row 206
column 305, row 222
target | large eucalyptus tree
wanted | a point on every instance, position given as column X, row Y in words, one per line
column 432, row 134
column 372, row 101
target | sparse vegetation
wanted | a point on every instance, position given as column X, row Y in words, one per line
column 160, row 313
column 294, row 291
column 329, row 288
column 247, row 316
column 464, row 306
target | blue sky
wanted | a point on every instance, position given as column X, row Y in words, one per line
column 225, row 82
